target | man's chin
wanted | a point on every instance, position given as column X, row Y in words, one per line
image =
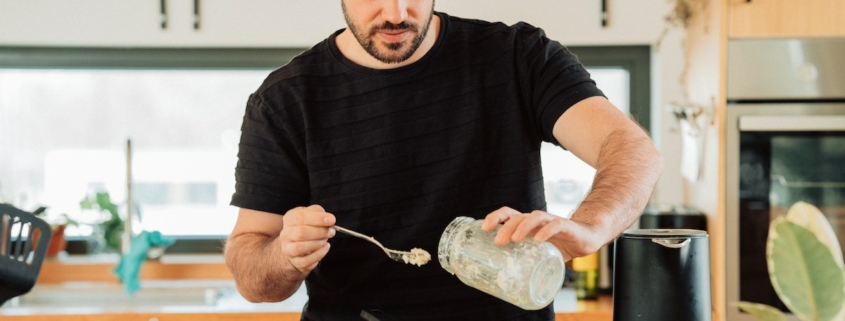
column 392, row 56
column 392, row 59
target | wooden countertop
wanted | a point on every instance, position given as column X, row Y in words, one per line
column 577, row 316
column 209, row 268
column 597, row 310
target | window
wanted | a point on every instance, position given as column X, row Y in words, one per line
column 622, row 73
column 66, row 115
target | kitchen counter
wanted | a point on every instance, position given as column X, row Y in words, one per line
column 201, row 300
column 184, row 288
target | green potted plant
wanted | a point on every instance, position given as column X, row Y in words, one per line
column 805, row 266
column 112, row 226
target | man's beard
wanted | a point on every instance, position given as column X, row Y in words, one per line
column 393, row 51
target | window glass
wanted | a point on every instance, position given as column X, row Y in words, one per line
column 567, row 179
column 63, row 136
column 64, row 133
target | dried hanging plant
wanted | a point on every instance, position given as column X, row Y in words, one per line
column 683, row 11
column 681, row 15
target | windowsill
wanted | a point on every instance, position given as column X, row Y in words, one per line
column 98, row 267
column 113, row 258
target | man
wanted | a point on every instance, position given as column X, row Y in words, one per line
column 396, row 125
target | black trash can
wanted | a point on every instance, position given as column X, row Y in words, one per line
column 673, row 217
column 662, row 275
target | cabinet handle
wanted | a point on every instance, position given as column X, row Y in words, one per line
column 604, row 13
column 196, row 14
column 163, row 16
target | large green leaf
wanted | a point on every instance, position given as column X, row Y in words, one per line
column 811, row 217
column 803, row 271
column 761, row 311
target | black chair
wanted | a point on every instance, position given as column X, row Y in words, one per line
column 23, row 244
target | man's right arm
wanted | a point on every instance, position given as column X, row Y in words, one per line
column 270, row 255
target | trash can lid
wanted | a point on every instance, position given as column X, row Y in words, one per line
column 651, row 233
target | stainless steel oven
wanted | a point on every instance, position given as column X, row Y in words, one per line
column 785, row 143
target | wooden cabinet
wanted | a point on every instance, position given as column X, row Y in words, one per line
column 786, row 18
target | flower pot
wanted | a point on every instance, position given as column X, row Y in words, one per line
column 58, row 242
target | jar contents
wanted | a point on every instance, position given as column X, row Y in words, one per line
column 528, row 274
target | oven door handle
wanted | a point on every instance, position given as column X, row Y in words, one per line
column 782, row 123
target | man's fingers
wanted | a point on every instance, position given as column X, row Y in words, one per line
column 313, row 215
column 553, row 227
column 307, row 262
column 307, row 233
column 316, row 208
column 505, row 233
column 321, row 216
column 298, row 249
column 531, row 223
column 498, row 216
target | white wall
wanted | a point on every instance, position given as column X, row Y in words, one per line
column 274, row 23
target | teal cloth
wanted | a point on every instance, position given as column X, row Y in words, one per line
column 129, row 267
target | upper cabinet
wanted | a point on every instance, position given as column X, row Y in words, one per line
column 138, row 23
column 786, row 18
column 293, row 23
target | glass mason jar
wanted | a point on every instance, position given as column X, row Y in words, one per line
column 528, row 274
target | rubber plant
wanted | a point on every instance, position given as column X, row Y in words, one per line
column 805, row 266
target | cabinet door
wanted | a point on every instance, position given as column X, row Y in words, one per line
column 786, row 18
column 79, row 22
column 136, row 23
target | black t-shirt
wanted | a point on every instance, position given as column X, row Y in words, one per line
column 398, row 153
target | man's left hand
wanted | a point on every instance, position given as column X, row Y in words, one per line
column 573, row 239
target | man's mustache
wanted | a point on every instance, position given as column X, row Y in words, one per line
column 389, row 26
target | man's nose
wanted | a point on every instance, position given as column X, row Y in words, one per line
column 395, row 11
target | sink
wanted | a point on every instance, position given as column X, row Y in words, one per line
column 108, row 294
column 102, row 297
column 172, row 296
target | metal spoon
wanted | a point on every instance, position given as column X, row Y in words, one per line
column 399, row 256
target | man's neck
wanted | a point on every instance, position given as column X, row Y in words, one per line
column 352, row 50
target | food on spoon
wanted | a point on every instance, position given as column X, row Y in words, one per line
column 417, row 257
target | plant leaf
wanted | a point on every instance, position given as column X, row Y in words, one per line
column 104, row 202
column 86, row 203
column 761, row 311
column 804, row 273
column 811, row 217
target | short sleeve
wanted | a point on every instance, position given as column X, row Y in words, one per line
column 271, row 174
column 552, row 78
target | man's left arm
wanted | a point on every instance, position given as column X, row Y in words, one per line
column 627, row 168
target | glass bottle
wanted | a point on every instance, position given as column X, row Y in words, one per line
column 586, row 270
column 528, row 274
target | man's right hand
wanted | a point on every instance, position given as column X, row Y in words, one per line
column 304, row 237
